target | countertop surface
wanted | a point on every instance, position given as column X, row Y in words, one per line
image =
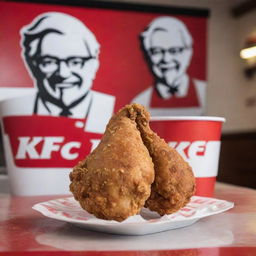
column 23, row 231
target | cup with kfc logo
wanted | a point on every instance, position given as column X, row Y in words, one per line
column 197, row 139
column 41, row 150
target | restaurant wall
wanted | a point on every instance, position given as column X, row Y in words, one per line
column 230, row 94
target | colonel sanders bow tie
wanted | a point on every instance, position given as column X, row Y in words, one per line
column 173, row 90
column 65, row 109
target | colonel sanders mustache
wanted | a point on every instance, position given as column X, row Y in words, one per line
column 55, row 81
column 167, row 73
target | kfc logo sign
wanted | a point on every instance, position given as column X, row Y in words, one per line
column 62, row 56
column 59, row 144
column 202, row 155
column 27, row 148
column 168, row 46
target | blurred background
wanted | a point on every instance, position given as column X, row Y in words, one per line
column 231, row 91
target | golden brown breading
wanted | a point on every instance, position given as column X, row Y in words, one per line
column 114, row 181
column 174, row 180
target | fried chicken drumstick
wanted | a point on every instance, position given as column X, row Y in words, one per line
column 114, row 181
column 174, row 182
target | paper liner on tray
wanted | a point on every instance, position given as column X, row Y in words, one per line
column 147, row 222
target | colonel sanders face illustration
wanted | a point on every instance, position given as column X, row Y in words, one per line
column 61, row 54
column 168, row 46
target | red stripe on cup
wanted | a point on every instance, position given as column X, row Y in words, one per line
column 205, row 186
column 191, row 130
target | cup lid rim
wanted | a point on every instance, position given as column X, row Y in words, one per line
column 188, row 118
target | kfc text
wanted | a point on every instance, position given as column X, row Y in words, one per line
column 29, row 147
column 190, row 150
column 202, row 155
column 47, row 141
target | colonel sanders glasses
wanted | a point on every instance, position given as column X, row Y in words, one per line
column 157, row 51
column 49, row 64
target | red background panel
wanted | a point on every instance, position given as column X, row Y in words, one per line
column 123, row 71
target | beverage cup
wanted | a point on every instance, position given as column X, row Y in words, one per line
column 41, row 150
column 197, row 139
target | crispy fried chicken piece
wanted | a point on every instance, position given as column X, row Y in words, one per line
column 174, row 180
column 114, row 181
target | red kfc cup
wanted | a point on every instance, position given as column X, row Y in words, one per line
column 197, row 139
column 41, row 150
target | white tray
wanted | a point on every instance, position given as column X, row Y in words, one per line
column 147, row 222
